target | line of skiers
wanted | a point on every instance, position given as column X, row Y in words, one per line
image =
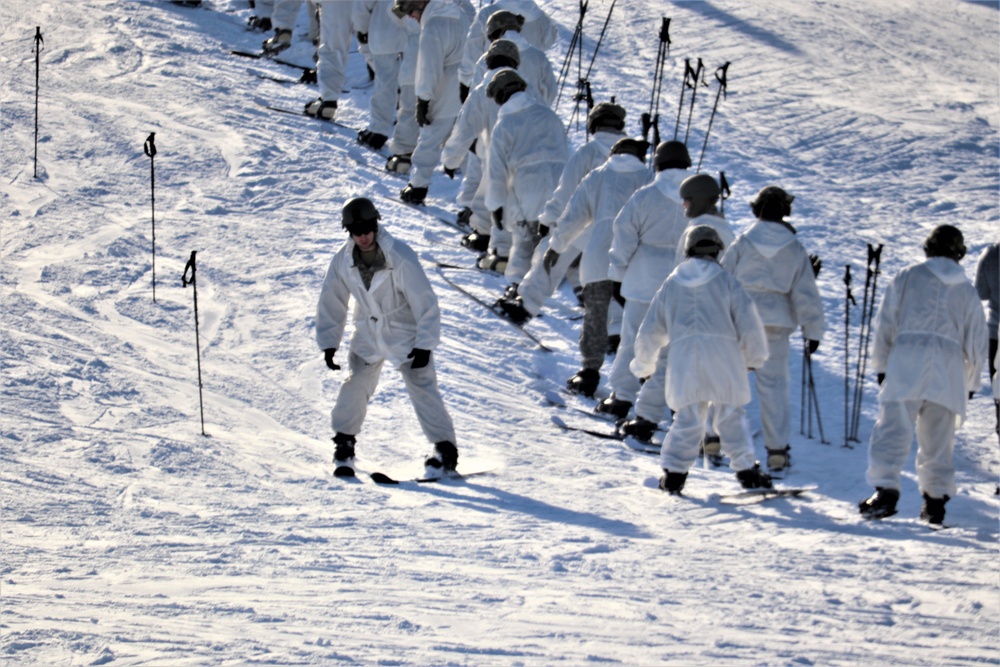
column 694, row 305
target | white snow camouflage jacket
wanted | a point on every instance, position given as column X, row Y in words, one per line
column 595, row 204
column 774, row 267
column 526, row 155
column 443, row 27
column 713, row 331
column 645, row 236
column 930, row 336
column 538, row 29
column 396, row 314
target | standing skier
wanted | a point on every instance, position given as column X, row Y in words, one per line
column 930, row 345
column 396, row 318
column 715, row 335
column 774, row 267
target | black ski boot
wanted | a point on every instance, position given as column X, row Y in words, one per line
column 411, row 194
column 476, row 242
column 514, row 310
column 754, row 478
column 612, row 406
column 673, row 482
column 343, row 455
column 933, row 510
column 373, row 140
column 443, row 460
column 398, row 164
column 584, row 382
column 779, row 459
column 882, row 504
column 639, row 428
column 464, row 217
column 711, row 447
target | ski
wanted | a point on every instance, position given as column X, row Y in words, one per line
column 265, row 56
column 760, row 495
column 382, row 478
column 490, row 307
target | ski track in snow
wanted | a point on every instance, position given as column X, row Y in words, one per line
column 129, row 538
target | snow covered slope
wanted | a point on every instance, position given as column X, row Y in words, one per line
column 129, row 538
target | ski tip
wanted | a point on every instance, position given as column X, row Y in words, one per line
column 382, row 478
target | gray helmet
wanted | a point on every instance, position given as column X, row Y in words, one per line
column 360, row 216
column 502, row 21
column 700, row 187
column 772, row 203
column 945, row 241
column 629, row 146
column 606, row 114
column 504, row 48
column 703, row 240
column 671, row 155
column 402, row 8
column 505, row 83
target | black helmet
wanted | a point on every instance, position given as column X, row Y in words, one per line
column 503, row 53
column 502, row 21
column 945, row 241
column 671, row 155
column 359, row 216
column 700, row 186
column 505, row 83
column 402, row 8
column 772, row 203
column 702, row 241
column 606, row 114
column 629, row 146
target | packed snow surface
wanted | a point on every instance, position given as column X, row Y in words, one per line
column 132, row 537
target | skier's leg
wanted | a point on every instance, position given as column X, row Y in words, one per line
column 890, row 442
column 624, row 384
column 334, row 45
column 385, row 92
column 935, row 446
column 348, row 414
column 427, row 153
column 680, row 447
column 594, row 333
column 772, row 390
column 729, row 421
column 421, row 383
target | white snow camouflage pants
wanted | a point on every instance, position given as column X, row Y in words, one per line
column 683, row 442
column 892, row 437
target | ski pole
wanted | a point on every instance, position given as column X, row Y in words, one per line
column 848, row 300
column 724, row 192
column 695, row 80
column 583, row 86
column 876, row 255
column 575, row 46
column 684, row 87
column 150, row 149
column 815, row 400
column 652, row 117
column 189, row 277
column 720, row 76
column 856, row 398
column 39, row 44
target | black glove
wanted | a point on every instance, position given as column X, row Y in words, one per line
column 617, row 287
column 498, row 218
column 362, row 38
column 817, row 264
column 472, row 146
column 543, row 230
column 463, row 92
column 971, row 394
column 450, row 172
column 813, row 346
column 881, row 378
column 423, row 112
column 549, row 260
column 420, row 357
column 328, row 358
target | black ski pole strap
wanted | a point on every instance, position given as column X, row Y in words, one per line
column 150, row 146
column 724, row 186
column 39, row 40
column 847, row 282
column 665, row 32
column 189, row 270
column 721, row 75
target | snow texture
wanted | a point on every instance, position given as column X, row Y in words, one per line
column 130, row 538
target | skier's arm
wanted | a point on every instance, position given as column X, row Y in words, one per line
column 651, row 337
column 332, row 310
column 419, row 294
column 625, row 240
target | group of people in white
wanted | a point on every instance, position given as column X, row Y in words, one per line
column 691, row 306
